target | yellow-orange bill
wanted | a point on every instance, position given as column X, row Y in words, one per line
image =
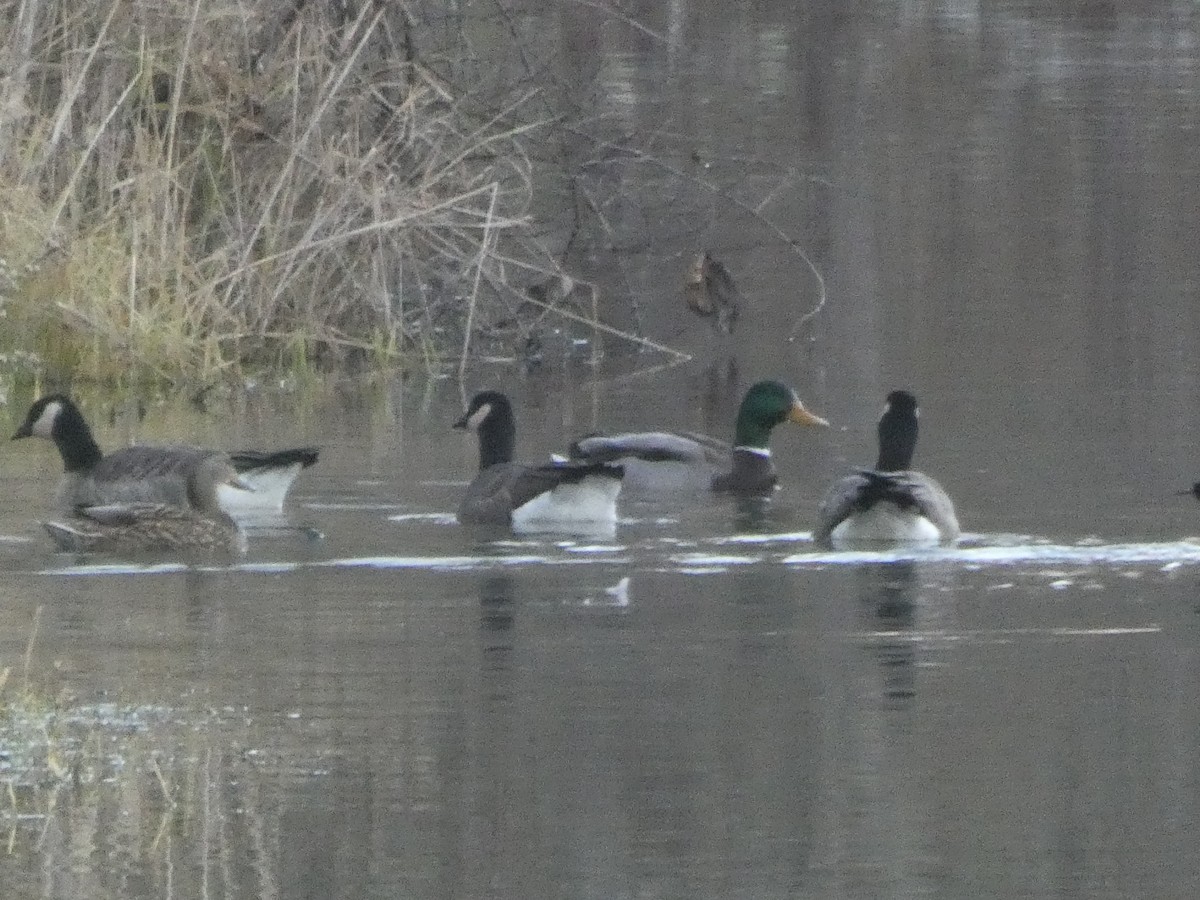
column 802, row 416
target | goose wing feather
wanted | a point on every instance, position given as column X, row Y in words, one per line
column 927, row 495
column 499, row 489
column 253, row 460
column 866, row 487
column 150, row 462
column 841, row 500
column 138, row 475
column 504, row 487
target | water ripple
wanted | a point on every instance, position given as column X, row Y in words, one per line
column 1172, row 552
column 706, row 555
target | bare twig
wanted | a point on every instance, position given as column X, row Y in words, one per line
column 67, row 192
column 67, row 104
column 483, row 249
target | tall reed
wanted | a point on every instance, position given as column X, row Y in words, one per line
column 193, row 188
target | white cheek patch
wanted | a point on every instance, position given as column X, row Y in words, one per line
column 45, row 422
column 478, row 416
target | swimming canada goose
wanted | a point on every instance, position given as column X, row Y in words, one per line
column 133, row 527
column 890, row 502
column 559, row 496
column 152, row 474
column 660, row 461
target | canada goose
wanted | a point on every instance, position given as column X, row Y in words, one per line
column 152, row 474
column 658, row 461
column 557, row 496
column 141, row 526
column 890, row 502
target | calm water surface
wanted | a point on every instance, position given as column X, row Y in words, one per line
column 1001, row 204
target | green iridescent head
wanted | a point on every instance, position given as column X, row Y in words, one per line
column 766, row 404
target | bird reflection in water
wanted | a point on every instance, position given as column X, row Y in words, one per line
column 496, row 607
column 889, row 594
column 750, row 513
column 496, row 620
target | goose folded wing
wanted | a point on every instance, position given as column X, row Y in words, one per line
column 252, row 460
column 150, row 462
column 143, row 475
column 524, row 483
column 844, row 498
column 930, row 498
column 909, row 490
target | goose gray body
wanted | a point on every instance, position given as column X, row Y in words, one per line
column 148, row 474
column 198, row 525
column 887, row 506
column 562, row 496
column 502, row 494
column 135, row 475
column 669, row 462
column 892, row 502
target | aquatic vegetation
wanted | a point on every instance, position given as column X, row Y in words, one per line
column 43, row 737
column 205, row 188
column 93, row 790
column 98, row 789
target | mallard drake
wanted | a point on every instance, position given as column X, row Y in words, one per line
column 659, row 461
column 134, row 527
column 558, row 496
column 152, row 474
column 891, row 502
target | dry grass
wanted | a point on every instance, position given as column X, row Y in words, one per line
column 195, row 188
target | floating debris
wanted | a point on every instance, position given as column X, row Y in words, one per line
column 712, row 294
